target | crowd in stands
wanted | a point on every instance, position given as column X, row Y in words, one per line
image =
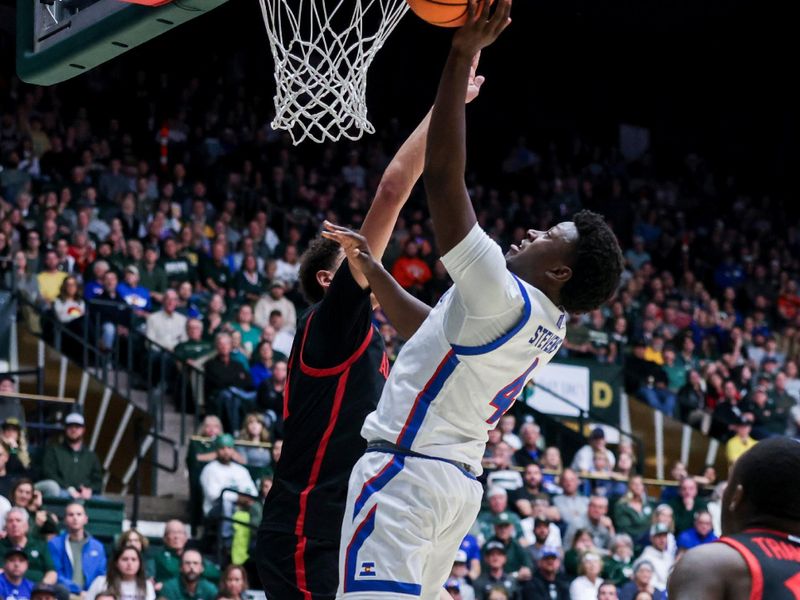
column 200, row 256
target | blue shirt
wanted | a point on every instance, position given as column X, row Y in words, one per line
column 92, row 290
column 690, row 538
column 135, row 297
column 259, row 373
column 471, row 547
column 9, row 591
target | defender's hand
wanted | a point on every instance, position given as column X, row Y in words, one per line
column 475, row 81
column 480, row 29
column 355, row 246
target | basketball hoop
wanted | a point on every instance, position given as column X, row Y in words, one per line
column 321, row 58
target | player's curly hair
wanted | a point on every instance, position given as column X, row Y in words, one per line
column 597, row 266
column 320, row 256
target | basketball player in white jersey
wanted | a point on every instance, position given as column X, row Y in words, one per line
column 414, row 494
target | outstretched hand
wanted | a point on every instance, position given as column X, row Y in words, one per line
column 481, row 29
column 354, row 244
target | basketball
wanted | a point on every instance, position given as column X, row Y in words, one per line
column 443, row 13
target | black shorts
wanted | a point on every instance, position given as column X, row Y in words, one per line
column 293, row 568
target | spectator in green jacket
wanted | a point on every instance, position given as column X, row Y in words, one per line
column 168, row 561
column 71, row 469
column 17, row 535
column 189, row 584
column 633, row 513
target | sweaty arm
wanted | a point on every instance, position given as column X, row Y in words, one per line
column 710, row 572
column 393, row 190
column 404, row 310
column 445, row 156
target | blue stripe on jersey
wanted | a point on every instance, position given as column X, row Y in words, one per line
column 425, row 398
column 484, row 348
column 351, row 584
column 378, row 482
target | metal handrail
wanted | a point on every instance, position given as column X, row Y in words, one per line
column 584, row 415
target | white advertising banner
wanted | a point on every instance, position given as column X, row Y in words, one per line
column 569, row 381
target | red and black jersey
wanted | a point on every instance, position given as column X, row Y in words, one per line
column 337, row 369
column 773, row 558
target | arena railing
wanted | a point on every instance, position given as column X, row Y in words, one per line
column 74, row 342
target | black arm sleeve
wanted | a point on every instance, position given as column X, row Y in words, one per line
column 340, row 323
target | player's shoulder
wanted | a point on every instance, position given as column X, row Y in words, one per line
column 709, row 572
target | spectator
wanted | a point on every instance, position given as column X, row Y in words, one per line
column 261, row 364
column 459, row 575
column 587, row 585
column 177, row 267
column 524, row 498
column 530, row 434
column 643, row 572
column 168, row 561
column 410, row 271
column 508, row 423
column 739, row 443
column 94, row 287
column 244, row 325
column 686, row 505
column 16, row 440
column 111, row 312
column 618, row 567
column 288, row 266
column 503, row 475
column 152, row 276
column 221, row 474
column 167, row 327
column 584, row 458
column 13, row 583
column 126, row 577
column 194, row 348
column 497, row 499
column 254, row 452
column 228, row 385
column 607, row 591
column 248, row 282
column 189, row 584
column 133, row 294
column 648, row 380
column 596, row 521
column 665, row 515
column 70, row 310
column 582, row 542
column 518, row 561
column 23, row 495
column 275, row 300
column 547, row 580
column 233, row 583
column 50, row 279
column 71, row 469
column 691, row 399
column 658, row 554
column 633, row 512
column 570, row 504
column 40, row 566
column 495, row 573
column 78, row 557
column 701, row 533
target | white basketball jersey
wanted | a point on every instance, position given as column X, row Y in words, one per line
column 441, row 399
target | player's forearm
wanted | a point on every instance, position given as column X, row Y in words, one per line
column 393, row 191
column 405, row 312
column 445, row 156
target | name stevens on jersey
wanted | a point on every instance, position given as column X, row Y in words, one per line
column 545, row 340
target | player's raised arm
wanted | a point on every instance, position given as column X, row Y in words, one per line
column 445, row 156
column 404, row 310
column 399, row 179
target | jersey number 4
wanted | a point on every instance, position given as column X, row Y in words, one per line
column 505, row 398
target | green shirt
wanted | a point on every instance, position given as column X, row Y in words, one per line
column 155, row 280
column 77, row 560
column 250, row 338
column 193, row 350
column 39, row 559
column 168, row 566
column 175, row 590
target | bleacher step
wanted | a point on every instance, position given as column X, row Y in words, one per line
column 156, row 508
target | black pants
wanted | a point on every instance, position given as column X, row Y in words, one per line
column 284, row 561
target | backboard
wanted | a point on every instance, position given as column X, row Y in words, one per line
column 59, row 39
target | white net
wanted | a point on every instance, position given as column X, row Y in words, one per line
column 322, row 53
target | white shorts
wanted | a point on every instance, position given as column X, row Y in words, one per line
column 404, row 521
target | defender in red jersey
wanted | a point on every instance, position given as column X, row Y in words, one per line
column 758, row 557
